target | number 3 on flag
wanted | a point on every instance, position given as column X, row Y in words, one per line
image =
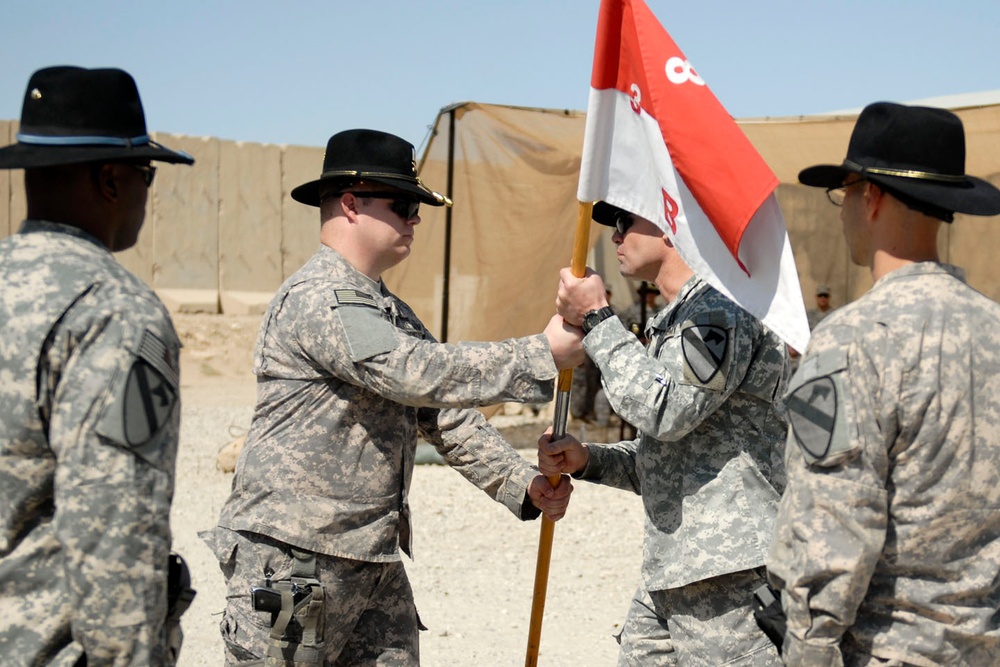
column 636, row 99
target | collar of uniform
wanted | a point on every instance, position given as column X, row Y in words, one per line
column 337, row 260
column 693, row 284
column 33, row 226
column 922, row 269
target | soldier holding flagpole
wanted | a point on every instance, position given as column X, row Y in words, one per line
column 695, row 211
column 348, row 379
column 707, row 458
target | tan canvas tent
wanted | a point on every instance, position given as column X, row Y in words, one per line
column 512, row 172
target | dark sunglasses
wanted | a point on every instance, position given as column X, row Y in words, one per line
column 623, row 220
column 148, row 172
column 403, row 206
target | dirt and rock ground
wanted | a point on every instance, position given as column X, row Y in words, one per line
column 474, row 563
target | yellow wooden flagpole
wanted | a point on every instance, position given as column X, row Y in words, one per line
column 578, row 265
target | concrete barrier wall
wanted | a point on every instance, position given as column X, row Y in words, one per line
column 186, row 229
column 299, row 224
column 12, row 204
column 220, row 236
column 249, row 229
column 6, row 139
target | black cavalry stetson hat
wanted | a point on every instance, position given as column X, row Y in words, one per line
column 607, row 214
column 73, row 115
column 370, row 156
column 916, row 151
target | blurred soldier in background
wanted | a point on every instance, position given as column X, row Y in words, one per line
column 822, row 309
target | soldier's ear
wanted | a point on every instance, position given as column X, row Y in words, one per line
column 349, row 205
column 105, row 177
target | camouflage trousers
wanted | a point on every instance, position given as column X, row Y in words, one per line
column 369, row 617
column 703, row 624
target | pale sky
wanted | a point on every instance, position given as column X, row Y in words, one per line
column 297, row 71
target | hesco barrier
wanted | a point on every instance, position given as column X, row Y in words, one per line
column 219, row 236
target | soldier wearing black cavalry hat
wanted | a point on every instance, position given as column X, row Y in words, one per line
column 88, row 388
column 887, row 545
column 348, row 378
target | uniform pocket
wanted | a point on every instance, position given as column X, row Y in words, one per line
column 240, row 634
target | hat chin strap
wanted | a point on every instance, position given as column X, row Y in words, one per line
column 42, row 140
column 906, row 173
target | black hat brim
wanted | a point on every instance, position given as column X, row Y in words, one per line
column 824, row 176
column 308, row 193
column 973, row 195
column 605, row 214
column 30, row 156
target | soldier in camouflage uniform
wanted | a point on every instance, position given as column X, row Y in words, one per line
column 637, row 314
column 88, row 385
column 348, row 378
column 887, row 545
column 707, row 459
column 822, row 309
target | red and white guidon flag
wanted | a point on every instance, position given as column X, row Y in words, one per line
column 660, row 145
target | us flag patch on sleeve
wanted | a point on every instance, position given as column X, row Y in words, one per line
column 158, row 356
column 352, row 297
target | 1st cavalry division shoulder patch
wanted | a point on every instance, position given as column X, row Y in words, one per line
column 147, row 402
column 705, row 347
column 816, row 414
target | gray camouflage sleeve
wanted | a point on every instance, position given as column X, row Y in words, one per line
column 114, row 411
column 356, row 344
column 661, row 395
column 473, row 446
column 613, row 465
column 832, row 520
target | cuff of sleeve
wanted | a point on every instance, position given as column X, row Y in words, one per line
column 528, row 511
column 595, row 464
column 516, row 497
column 611, row 328
column 539, row 357
column 799, row 652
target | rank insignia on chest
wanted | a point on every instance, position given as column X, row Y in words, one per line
column 705, row 348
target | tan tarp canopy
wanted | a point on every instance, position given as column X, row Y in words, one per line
column 513, row 179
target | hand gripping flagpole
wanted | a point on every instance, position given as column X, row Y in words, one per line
column 578, row 266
